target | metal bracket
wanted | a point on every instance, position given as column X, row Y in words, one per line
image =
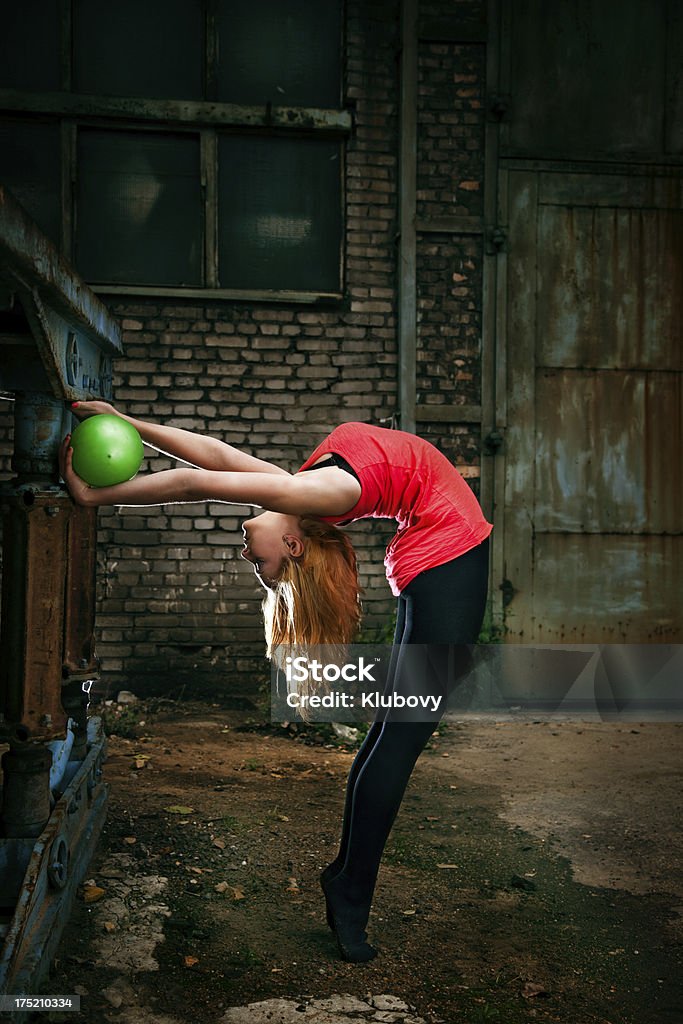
column 498, row 107
column 496, row 237
column 508, row 592
column 493, row 442
column 75, row 365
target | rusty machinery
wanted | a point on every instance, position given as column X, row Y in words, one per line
column 57, row 341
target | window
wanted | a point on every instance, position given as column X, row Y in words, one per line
column 29, row 50
column 138, row 206
column 201, row 143
column 30, row 168
column 129, row 48
column 280, row 52
column 279, row 212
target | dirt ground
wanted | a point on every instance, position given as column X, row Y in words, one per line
column 533, row 873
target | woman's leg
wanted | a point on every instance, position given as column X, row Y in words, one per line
column 444, row 606
column 363, row 753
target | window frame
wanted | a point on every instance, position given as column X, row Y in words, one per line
column 203, row 118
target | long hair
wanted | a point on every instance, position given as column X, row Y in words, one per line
column 316, row 600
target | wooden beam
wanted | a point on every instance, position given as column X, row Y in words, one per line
column 236, row 294
column 177, row 111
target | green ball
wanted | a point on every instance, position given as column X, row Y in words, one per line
column 107, row 450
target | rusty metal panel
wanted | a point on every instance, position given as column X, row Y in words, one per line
column 606, row 286
column 79, row 612
column 591, row 588
column 34, row 546
column 580, row 82
column 606, row 444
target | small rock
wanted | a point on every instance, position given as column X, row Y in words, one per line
column 119, row 992
column 114, row 997
column 93, row 893
column 340, row 1004
column 126, row 697
column 345, row 732
column 523, row 883
column 532, row 990
column 389, row 1003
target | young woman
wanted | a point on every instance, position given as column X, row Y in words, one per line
column 437, row 567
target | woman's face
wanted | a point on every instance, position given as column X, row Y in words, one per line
column 269, row 538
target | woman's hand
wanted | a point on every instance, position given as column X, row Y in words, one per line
column 84, row 409
column 78, row 489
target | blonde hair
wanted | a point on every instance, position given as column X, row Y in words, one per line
column 316, row 599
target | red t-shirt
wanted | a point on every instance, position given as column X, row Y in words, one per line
column 406, row 478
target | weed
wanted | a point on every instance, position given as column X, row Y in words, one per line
column 485, row 1012
column 378, row 634
column 121, row 720
column 231, row 823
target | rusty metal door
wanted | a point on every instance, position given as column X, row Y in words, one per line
column 593, row 493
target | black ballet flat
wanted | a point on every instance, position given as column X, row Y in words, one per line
column 349, row 946
column 355, row 953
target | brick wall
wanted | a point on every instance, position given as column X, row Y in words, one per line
column 450, row 171
column 178, row 610
column 178, row 606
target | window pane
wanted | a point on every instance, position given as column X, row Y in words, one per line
column 127, row 48
column 279, row 209
column 30, row 167
column 283, row 53
column 138, row 208
column 29, row 46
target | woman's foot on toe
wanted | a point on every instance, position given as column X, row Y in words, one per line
column 347, row 919
column 359, row 953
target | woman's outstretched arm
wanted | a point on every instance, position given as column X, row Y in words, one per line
column 327, row 492
column 195, row 449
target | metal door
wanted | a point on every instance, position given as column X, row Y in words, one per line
column 592, row 542
column 582, row 319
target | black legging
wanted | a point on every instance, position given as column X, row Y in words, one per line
column 441, row 606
